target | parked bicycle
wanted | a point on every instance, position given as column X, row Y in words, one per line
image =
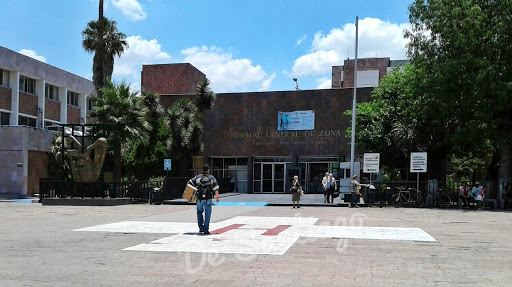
column 440, row 200
column 406, row 197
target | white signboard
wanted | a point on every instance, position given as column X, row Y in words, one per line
column 296, row 121
column 371, row 162
column 418, row 162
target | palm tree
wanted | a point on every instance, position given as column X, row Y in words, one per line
column 123, row 108
column 103, row 38
column 144, row 160
column 205, row 97
column 185, row 118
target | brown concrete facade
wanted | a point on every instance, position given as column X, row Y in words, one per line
column 168, row 79
column 28, row 104
column 5, row 98
column 336, row 81
column 246, row 124
column 37, row 169
column 52, row 109
column 380, row 64
column 366, row 64
column 73, row 115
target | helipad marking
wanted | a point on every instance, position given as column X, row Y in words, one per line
column 239, row 203
column 251, row 235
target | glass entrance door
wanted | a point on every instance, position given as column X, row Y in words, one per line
column 316, row 172
column 269, row 177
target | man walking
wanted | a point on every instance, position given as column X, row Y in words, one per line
column 206, row 185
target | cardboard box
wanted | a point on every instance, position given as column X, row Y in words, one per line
column 190, row 193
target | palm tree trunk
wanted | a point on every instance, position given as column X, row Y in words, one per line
column 100, row 14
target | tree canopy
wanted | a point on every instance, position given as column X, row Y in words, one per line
column 102, row 38
column 461, row 49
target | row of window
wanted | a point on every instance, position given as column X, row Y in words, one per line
column 51, row 92
column 28, row 85
column 22, row 121
column 4, row 119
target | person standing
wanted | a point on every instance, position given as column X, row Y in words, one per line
column 324, row 185
column 331, row 187
column 464, row 194
column 296, row 190
column 354, row 185
column 207, row 188
column 232, row 182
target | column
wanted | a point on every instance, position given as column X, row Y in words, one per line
column 63, row 99
column 14, row 83
column 250, row 168
column 41, row 95
column 82, row 103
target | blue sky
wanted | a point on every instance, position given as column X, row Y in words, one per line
column 240, row 45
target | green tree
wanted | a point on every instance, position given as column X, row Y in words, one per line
column 463, row 49
column 186, row 129
column 123, row 108
column 102, row 38
column 58, row 162
column 145, row 159
column 398, row 121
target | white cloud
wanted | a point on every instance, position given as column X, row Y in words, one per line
column 302, row 39
column 323, row 83
column 377, row 38
column 316, row 63
column 265, row 85
column 131, row 9
column 32, row 54
column 139, row 52
column 225, row 73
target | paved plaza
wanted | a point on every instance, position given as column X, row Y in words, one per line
column 252, row 245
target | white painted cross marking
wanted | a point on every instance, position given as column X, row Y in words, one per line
column 251, row 235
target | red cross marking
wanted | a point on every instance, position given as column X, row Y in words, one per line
column 269, row 232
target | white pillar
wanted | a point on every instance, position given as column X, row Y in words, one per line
column 63, row 99
column 82, row 103
column 14, row 83
column 40, row 92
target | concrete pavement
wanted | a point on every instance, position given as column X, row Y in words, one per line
column 61, row 246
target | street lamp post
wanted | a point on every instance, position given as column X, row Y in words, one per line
column 354, row 101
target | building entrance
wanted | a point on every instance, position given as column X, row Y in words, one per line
column 269, row 177
column 314, row 174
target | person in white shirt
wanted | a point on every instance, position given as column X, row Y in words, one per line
column 324, row 185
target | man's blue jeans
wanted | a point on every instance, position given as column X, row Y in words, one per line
column 206, row 207
column 353, row 198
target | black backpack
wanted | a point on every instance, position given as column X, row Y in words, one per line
column 205, row 188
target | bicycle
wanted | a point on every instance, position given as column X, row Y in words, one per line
column 406, row 196
column 440, row 200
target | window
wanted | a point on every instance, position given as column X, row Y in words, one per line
column 72, row 98
column 1, row 77
column 26, row 121
column 90, row 104
column 51, row 92
column 27, row 85
column 4, row 119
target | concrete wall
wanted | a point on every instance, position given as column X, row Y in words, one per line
column 36, row 69
column 15, row 160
